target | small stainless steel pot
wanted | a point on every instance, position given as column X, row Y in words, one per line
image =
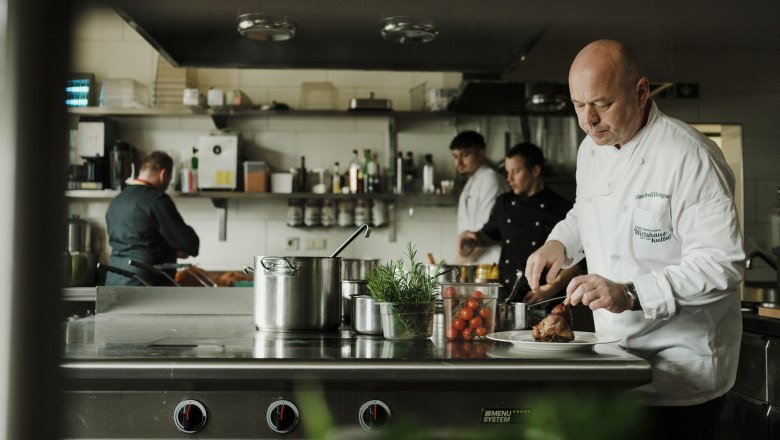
column 365, row 315
column 350, row 288
column 357, row 268
column 515, row 315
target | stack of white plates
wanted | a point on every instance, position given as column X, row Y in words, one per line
column 125, row 93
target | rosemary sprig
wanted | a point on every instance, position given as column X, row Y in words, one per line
column 393, row 282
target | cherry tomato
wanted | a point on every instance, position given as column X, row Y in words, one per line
column 477, row 294
column 480, row 331
column 453, row 333
column 484, row 313
column 468, row 334
column 459, row 324
column 449, row 292
column 475, row 322
column 472, row 304
column 466, row 313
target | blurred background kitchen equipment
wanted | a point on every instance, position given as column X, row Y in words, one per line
column 349, row 289
column 94, row 138
column 370, row 103
column 121, row 164
column 83, row 259
column 357, row 268
column 218, row 161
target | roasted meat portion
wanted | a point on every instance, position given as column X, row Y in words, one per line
column 555, row 327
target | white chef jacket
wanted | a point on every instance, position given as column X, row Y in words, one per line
column 475, row 203
column 660, row 212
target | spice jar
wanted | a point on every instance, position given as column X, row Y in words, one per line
column 294, row 212
column 328, row 213
column 362, row 214
column 345, row 213
column 312, row 213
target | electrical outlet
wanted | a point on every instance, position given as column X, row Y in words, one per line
column 293, row 243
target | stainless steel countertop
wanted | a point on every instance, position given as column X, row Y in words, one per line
column 135, row 336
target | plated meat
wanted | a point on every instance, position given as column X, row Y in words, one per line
column 555, row 327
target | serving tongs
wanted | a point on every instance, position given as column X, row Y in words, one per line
column 127, row 273
column 521, row 281
column 152, row 269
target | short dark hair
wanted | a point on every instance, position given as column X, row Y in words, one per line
column 467, row 139
column 532, row 155
column 156, row 161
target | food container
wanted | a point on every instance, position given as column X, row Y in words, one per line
column 297, row 293
column 366, row 318
column 412, row 320
column 469, row 310
column 281, row 183
column 350, row 288
column 255, row 177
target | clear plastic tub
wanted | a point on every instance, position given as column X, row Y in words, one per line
column 255, row 177
column 469, row 310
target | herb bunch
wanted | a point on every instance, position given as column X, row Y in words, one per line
column 392, row 282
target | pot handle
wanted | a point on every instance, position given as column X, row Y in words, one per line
column 274, row 268
column 248, row 269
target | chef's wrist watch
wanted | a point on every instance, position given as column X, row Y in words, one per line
column 631, row 292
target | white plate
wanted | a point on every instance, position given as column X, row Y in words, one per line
column 523, row 339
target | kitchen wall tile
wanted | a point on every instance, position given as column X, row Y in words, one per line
column 749, row 201
column 369, row 79
column 727, row 70
column 432, row 125
column 218, row 78
column 247, row 126
column 255, row 209
column 756, row 151
column 378, row 124
column 149, row 124
column 135, row 62
column 280, row 77
column 275, row 148
column 98, row 23
column 319, row 123
column 257, row 95
column 687, row 110
column 197, row 123
column 765, row 196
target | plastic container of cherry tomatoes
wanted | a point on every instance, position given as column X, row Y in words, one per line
column 469, row 310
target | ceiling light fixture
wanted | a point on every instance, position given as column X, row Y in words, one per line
column 266, row 27
column 408, row 29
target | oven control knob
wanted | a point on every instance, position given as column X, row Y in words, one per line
column 190, row 416
column 282, row 416
column 374, row 415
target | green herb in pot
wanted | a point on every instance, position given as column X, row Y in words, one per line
column 394, row 283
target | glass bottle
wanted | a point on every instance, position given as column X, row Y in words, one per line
column 336, row 179
column 398, row 174
column 354, row 171
column 372, row 175
column 410, row 173
column 364, row 169
column 302, row 185
column 429, row 187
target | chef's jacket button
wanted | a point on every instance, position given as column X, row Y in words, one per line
column 609, row 185
column 509, row 220
column 533, row 243
column 506, row 261
column 506, row 281
column 624, row 208
column 536, row 224
column 615, row 256
column 542, row 205
column 513, row 203
column 641, row 161
column 507, row 242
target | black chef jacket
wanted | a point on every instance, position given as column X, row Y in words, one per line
column 144, row 224
column 521, row 225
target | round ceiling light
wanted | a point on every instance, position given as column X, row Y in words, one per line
column 408, row 29
column 266, row 27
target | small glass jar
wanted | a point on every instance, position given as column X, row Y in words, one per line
column 312, row 214
column 345, row 213
column 328, row 213
column 294, row 212
column 362, row 213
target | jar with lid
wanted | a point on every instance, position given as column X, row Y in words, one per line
column 328, row 213
column 345, row 213
column 312, row 213
column 378, row 213
column 294, row 212
column 362, row 213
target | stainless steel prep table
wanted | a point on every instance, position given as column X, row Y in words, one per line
column 148, row 349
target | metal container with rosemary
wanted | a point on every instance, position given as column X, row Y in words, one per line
column 406, row 294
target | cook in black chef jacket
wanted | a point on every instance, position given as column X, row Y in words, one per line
column 520, row 221
column 144, row 224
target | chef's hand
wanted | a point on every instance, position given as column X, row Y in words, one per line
column 542, row 293
column 550, row 256
column 467, row 240
column 597, row 292
column 182, row 254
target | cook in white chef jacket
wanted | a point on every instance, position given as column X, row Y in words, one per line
column 483, row 186
column 655, row 216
